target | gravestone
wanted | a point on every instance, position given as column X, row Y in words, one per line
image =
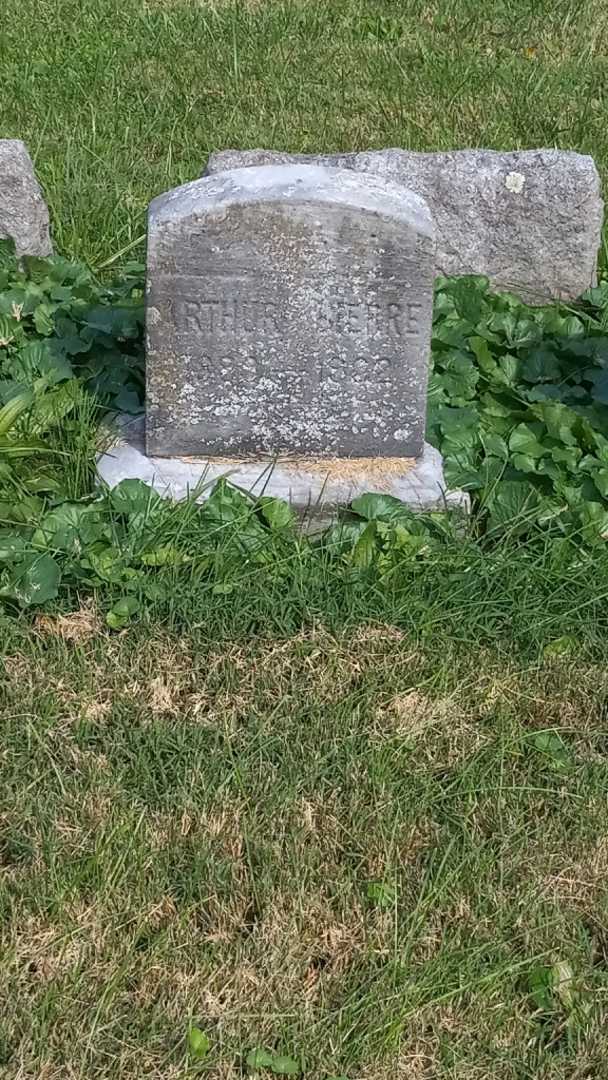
column 24, row 216
column 530, row 220
column 288, row 313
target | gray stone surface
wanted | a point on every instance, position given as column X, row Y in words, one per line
column 288, row 312
column 314, row 493
column 530, row 220
column 23, row 212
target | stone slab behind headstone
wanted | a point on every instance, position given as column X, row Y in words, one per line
column 288, row 312
column 530, row 220
column 23, row 212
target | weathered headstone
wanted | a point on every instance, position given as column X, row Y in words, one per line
column 24, row 216
column 530, row 220
column 288, row 313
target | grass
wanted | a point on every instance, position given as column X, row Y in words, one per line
column 346, row 824
column 119, row 100
column 357, row 821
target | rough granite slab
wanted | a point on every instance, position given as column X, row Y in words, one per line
column 531, row 220
column 314, row 489
column 288, row 313
column 24, row 214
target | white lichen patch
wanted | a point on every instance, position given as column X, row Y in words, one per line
column 514, row 182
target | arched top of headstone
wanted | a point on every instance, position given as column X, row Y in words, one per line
column 288, row 312
column 292, row 184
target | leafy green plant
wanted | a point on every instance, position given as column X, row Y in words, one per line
column 518, row 406
column 279, row 1064
column 558, row 995
column 199, row 1044
column 382, row 894
column 57, row 323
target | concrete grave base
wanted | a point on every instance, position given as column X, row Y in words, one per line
column 315, row 488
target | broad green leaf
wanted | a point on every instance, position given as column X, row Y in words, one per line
column 551, row 745
column 454, row 334
column 23, row 448
column 562, row 646
column 228, row 504
column 43, row 319
column 599, row 380
column 519, row 331
column 122, row 612
column 570, row 456
column 508, row 370
column 593, row 349
column 223, row 588
column 454, row 420
column 70, row 527
column 435, row 394
column 276, row 512
column 598, row 296
column 494, row 445
column 547, row 392
column 15, row 408
column 107, row 563
column 563, row 983
column 24, row 512
column 366, row 547
column 372, row 507
column 9, row 330
column 36, row 267
column 284, row 1066
column 12, row 547
column 133, row 497
column 343, row 535
column 594, row 517
column 40, row 359
column 382, row 893
column 164, row 555
column 457, row 443
column 493, row 406
column 259, row 1059
column 54, row 405
column 600, row 479
column 541, row 365
column 483, row 355
column 468, row 299
column 116, row 322
column 544, row 467
column 561, row 422
column 540, row 987
column 32, row 581
column 198, row 1044
column 128, row 401
column 465, row 476
column 513, row 502
column 524, row 463
column 460, row 376
column 551, row 986
column 524, row 440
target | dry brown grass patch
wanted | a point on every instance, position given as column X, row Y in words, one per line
column 43, row 952
column 580, row 882
column 76, row 626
